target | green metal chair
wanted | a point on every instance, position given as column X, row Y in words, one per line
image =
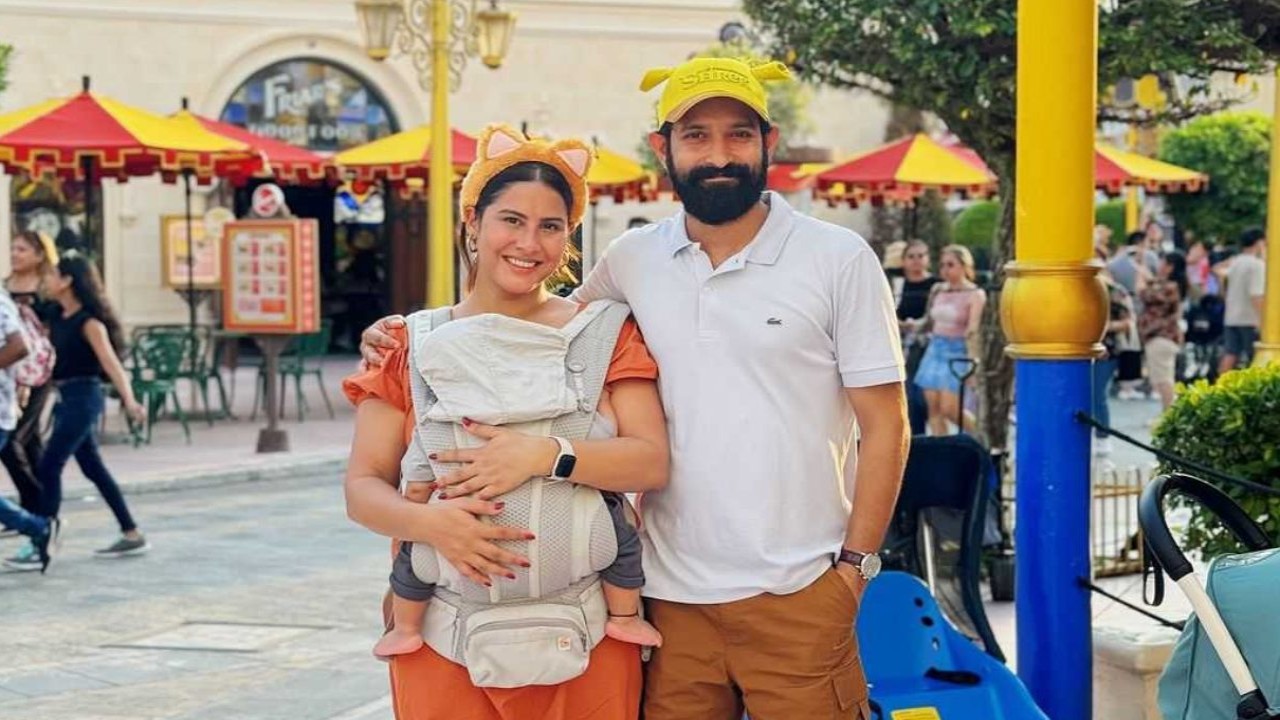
column 156, row 365
column 304, row 356
column 199, row 367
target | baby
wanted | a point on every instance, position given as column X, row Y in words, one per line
column 621, row 581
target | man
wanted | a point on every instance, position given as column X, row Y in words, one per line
column 42, row 531
column 1246, row 286
column 1102, row 241
column 772, row 331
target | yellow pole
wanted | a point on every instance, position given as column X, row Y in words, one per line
column 1131, row 210
column 440, row 254
column 1268, row 348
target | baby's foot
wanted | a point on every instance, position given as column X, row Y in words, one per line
column 397, row 641
column 633, row 629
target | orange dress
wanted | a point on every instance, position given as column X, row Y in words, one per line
column 426, row 686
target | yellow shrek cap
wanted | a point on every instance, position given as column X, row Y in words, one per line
column 705, row 78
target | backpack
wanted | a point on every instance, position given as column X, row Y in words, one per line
column 541, row 628
column 36, row 368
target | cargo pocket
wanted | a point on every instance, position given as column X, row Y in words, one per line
column 850, row 687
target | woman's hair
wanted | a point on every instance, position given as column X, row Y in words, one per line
column 1178, row 271
column 519, row 173
column 87, row 287
column 41, row 248
column 965, row 258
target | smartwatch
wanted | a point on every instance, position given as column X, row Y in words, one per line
column 867, row 564
column 562, row 468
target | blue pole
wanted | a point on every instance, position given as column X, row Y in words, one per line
column 1052, row 537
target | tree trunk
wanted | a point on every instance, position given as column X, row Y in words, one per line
column 996, row 375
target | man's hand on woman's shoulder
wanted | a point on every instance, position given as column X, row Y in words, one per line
column 376, row 340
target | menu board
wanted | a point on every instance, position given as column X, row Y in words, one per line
column 207, row 263
column 272, row 281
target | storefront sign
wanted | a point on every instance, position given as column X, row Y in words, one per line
column 311, row 104
column 206, row 264
column 272, row 279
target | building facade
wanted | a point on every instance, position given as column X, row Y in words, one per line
column 296, row 69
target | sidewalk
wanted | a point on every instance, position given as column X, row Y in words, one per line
column 225, row 452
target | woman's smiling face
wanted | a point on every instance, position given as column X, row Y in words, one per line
column 520, row 239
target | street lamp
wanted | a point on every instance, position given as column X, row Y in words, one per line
column 439, row 35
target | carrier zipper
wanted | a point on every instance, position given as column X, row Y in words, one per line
column 524, row 624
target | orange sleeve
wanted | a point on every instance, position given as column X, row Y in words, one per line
column 389, row 383
column 631, row 359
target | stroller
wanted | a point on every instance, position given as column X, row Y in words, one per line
column 1233, row 634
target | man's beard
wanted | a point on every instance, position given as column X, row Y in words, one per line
column 720, row 203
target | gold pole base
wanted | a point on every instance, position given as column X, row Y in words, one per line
column 1054, row 310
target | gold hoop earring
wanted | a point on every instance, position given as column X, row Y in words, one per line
column 472, row 246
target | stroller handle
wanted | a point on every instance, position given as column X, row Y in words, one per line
column 1160, row 539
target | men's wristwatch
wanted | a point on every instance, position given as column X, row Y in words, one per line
column 562, row 468
column 867, row 564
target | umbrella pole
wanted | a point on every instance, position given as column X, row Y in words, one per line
column 90, row 232
column 191, row 252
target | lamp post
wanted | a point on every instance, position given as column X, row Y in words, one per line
column 439, row 35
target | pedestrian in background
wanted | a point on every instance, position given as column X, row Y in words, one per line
column 1160, row 323
column 953, row 318
column 1121, row 325
column 86, row 337
column 1246, row 286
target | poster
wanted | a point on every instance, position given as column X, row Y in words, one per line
column 272, row 280
column 207, row 262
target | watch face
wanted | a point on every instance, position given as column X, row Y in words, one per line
column 870, row 566
column 565, row 465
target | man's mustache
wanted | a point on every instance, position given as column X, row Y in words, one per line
column 735, row 171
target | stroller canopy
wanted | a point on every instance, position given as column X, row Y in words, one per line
column 1195, row 685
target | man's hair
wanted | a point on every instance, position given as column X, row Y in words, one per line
column 1135, row 238
column 1251, row 237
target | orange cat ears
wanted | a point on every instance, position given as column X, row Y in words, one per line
column 501, row 146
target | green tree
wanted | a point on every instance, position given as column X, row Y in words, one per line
column 1111, row 214
column 6, row 51
column 956, row 59
column 1233, row 148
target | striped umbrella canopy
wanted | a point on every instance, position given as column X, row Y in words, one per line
column 284, row 162
column 904, row 169
column 619, row 177
column 404, row 155
column 1115, row 169
column 88, row 137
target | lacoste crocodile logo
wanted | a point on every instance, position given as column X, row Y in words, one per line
column 773, row 321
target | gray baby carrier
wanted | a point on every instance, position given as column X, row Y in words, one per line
column 540, row 628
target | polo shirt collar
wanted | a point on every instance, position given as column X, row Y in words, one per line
column 767, row 245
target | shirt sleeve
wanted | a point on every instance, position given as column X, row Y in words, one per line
column 599, row 284
column 9, row 318
column 865, row 329
column 389, row 383
column 631, row 359
column 1258, row 280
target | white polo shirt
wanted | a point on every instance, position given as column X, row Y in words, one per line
column 753, row 357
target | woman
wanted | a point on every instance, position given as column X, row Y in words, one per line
column 515, row 243
column 31, row 256
column 1160, row 323
column 85, row 336
column 955, row 312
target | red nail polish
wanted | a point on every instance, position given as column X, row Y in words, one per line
column 499, row 506
column 467, row 421
column 530, row 536
column 525, row 565
column 433, row 456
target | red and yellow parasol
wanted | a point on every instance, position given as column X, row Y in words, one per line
column 619, row 177
column 1115, row 169
column 284, row 162
column 904, row 169
column 404, row 155
column 88, row 137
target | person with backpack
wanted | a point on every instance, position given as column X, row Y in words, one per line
column 86, row 338
column 31, row 255
column 518, row 572
column 41, row 530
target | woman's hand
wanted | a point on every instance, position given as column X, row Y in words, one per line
column 507, row 461
column 376, row 340
column 470, row 545
column 135, row 411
